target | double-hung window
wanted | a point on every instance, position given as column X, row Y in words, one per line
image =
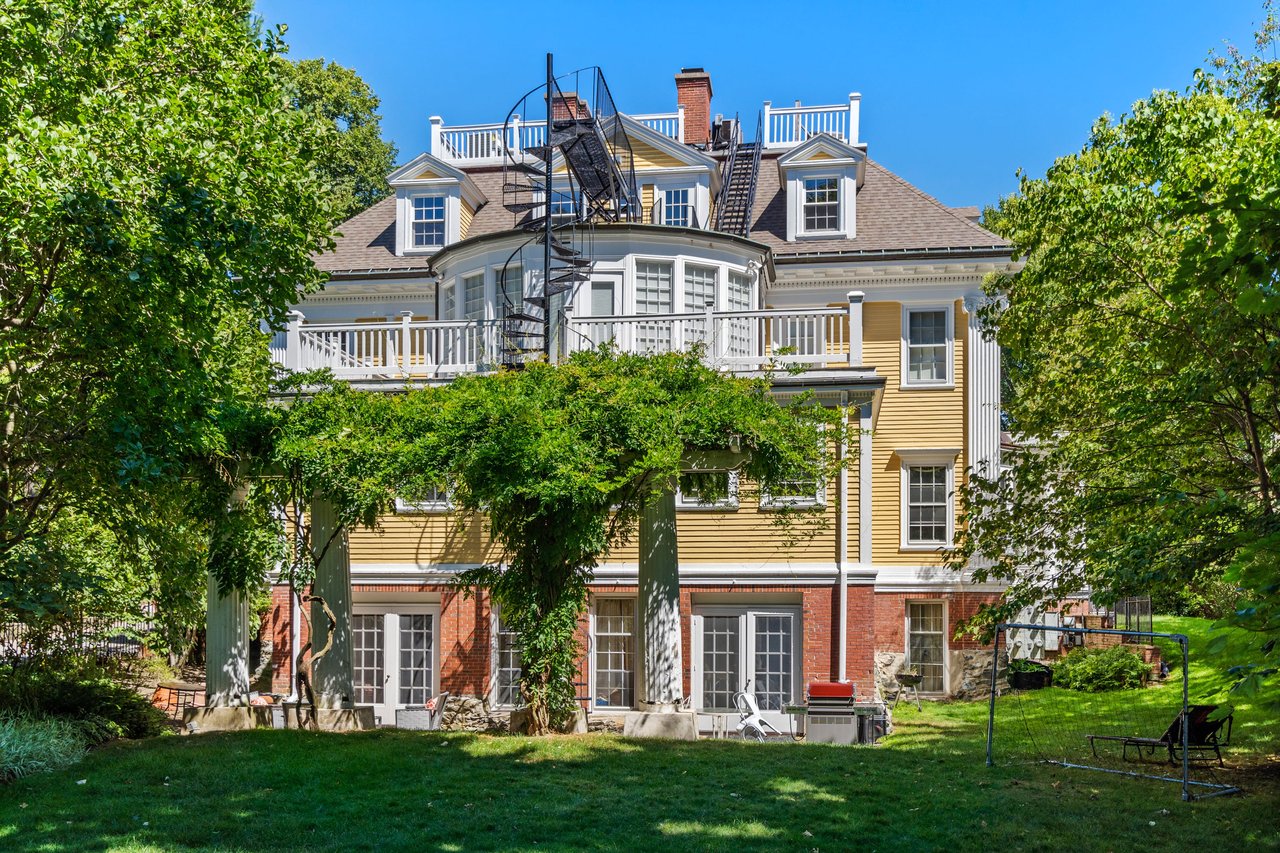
column 614, row 659
column 928, row 504
column 739, row 299
column 654, row 295
column 473, row 297
column 926, row 643
column 510, row 290
column 676, row 209
column 563, row 207
column 434, row 499
column 928, row 346
column 428, row 221
column 821, row 207
column 506, row 666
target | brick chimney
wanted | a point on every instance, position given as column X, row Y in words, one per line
column 569, row 105
column 693, row 92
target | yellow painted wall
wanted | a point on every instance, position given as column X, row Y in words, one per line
column 424, row 538
column 820, row 155
column 468, row 213
column 647, row 157
column 646, row 203
column 426, row 175
column 912, row 418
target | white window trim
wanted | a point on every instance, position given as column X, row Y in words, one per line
column 452, row 195
column 635, row 653
column 919, row 457
column 907, row 309
column 391, row 644
column 835, row 232
column 946, row 643
column 729, row 503
column 492, row 690
column 746, row 656
column 445, row 504
column 768, row 501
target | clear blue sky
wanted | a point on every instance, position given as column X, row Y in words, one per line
column 956, row 96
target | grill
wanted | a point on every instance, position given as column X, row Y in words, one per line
column 833, row 714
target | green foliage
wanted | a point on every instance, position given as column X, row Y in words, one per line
column 36, row 745
column 80, row 690
column 156, row 200
column 351, row 155
column 1024, row 665
column 1143, row 349
column 1094, row 670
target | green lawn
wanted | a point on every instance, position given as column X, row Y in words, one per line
column 926, row 787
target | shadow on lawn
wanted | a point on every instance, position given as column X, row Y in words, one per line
column 446, row 791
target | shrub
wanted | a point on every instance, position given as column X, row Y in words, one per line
column 102, row 708
column 1024, row 665
column 1094, row 670
column 32, row 745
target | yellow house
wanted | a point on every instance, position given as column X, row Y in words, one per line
column 792, row 248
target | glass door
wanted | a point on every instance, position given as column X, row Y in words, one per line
column 394, row 659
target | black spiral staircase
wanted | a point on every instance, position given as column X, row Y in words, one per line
column 582, row 164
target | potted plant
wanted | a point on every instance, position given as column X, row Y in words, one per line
column 1029, row 675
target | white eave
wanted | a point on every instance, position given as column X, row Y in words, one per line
column 839, row 155
column 449, row 175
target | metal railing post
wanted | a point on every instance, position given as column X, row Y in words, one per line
column 1186, row 723
column 991, row 712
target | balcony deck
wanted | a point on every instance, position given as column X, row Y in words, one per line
column 430, row 351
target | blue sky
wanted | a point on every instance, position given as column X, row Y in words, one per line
column 955, row 96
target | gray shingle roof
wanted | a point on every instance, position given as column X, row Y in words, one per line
column 893, row 216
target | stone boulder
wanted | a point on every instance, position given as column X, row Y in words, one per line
column 471, row 714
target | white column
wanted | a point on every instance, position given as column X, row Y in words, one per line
column 855, row 327
column 864, row 486
column 982, row 382
column 437, row 125
column 855, row 105
column 226, row 674
column 333, row 675
column 842, row 553
column 660, row 653
column 293, row 341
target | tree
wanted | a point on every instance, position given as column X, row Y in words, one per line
column 1143, row 337
column 351, row 155
column 156, row 201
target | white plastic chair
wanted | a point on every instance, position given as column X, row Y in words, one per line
column 751, row 724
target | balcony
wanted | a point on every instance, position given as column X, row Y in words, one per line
column 433, row 351
column 487, row 144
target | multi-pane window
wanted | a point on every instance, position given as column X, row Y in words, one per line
column 721, row 673
column 563, row 207
column 428, row 221
column 366, row 645
column 927, row 504
column 654, row 295
column 506, row 673
column 415, row 658
column 676, row 209
column 709, row 490
column 434, row 499
column 925, row 643
column 511, row 290
column 473, row 297
column 739, row 299
column 751, row 648
column 615, row 652
column 821, row 204
column 448, row 302
column 699, row 287
column 927, row 346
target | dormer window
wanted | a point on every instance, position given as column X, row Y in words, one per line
column 428, row 221
column 821, row 204
column 676, row 209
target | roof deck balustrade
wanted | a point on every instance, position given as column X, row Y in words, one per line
column 430, row 350
column 487, row 144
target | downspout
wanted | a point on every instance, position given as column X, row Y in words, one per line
column 842, row 548
column 295, row 618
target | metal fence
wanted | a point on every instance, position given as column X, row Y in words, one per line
column 90, row 636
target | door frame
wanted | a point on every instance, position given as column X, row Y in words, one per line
column 391, row 612
column 747, row 613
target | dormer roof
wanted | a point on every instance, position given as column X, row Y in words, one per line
column 426, row 172
column 825, row 150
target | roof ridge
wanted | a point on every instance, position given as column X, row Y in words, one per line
column 924, row 195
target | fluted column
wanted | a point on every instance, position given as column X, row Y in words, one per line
column 983, row 381
column 226, row 673
column 334, row 680
column 659, row 570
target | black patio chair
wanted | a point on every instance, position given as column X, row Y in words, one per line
column 1204, row 736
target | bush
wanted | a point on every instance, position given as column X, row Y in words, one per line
column 1094, row 670
column 102, row 708
column 32, row 745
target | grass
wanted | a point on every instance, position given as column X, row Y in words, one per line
column 34, row 745
column 924, row 788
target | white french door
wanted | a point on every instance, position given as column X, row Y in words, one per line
column 395, row 657
column 736, row 645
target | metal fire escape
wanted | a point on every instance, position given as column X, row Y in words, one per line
column 568, row 169
column 738, row 187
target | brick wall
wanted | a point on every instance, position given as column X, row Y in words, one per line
column 693, row 92
column 891, row 610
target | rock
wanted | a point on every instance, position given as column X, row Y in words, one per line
column 471, row 714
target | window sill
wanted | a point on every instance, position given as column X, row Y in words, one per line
column 925, row 547
column 787, row 504
column 926, row 386
column 733, row 507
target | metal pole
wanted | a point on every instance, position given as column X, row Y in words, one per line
column 1186, row 723
column 546, row 234
column 991, row 713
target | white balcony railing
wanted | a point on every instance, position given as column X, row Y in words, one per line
column 487, row 144
column 786, row 127
column 418, row 350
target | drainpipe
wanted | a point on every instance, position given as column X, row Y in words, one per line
column 295, row 618
column 842, row 548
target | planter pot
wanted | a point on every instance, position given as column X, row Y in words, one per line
column 1031, row 680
